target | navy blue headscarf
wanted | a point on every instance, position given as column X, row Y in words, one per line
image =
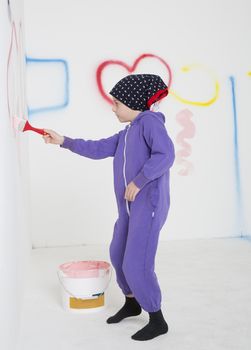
column 140, row 91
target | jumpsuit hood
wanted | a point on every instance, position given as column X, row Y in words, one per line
column 160, row 116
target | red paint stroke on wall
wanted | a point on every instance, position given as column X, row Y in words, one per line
column 130, row 69
column 15, row 98
column 13, row 41
column 15, row 101
column 184, row 118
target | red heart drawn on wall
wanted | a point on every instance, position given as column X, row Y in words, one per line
column 130, row 69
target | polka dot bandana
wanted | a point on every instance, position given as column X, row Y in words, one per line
column 140, row 91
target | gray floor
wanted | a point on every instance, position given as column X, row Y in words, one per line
column 206, row 300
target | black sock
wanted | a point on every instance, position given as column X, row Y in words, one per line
column 130, row 308
column 156, row 326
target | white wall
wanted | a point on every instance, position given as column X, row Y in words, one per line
column 72, row 197
column 14, row 235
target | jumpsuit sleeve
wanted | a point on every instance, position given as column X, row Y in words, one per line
column 162, row 152
column 94, row 149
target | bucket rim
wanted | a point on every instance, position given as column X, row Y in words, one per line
column 69, row 266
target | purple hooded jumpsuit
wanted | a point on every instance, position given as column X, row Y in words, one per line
column 143, row 153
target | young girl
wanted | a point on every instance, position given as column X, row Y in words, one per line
column 143, row 154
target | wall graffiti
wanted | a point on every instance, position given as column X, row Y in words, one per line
column 215, row 83
column 236, row 154
column 15, row 77
column 130, row 69
column 184, row 118
column 64, row 93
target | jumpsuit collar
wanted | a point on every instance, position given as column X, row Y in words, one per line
column 158, row 115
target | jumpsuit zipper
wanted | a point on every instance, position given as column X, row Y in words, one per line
column 127, row 206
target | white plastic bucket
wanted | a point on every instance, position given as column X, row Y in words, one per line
column 83, row 285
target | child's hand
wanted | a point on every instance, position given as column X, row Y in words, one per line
column 131, row 191
column 52, row 137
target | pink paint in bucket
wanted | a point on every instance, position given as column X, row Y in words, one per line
column 83, row 284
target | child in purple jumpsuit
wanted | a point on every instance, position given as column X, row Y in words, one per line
column 143, row 154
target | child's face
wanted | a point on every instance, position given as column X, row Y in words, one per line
column 124, row 113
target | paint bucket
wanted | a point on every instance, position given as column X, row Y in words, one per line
column 83, row 285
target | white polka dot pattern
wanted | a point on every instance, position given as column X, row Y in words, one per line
column 135, row 90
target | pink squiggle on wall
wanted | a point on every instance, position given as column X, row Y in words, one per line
column 184, row 118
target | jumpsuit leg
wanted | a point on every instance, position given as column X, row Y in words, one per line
column 117, row 250
column 139, row 258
